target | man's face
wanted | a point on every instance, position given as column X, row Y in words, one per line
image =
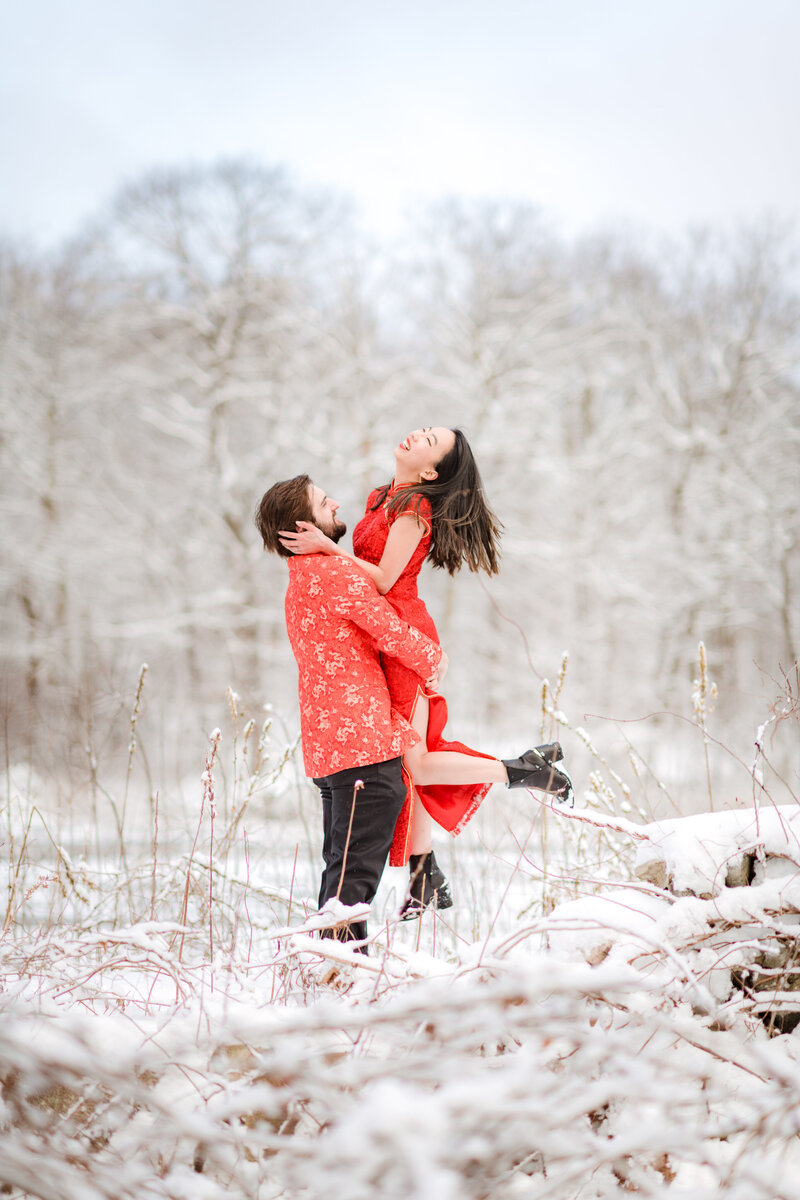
column 323, row 511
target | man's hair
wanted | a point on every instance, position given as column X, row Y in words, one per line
column 279, row 508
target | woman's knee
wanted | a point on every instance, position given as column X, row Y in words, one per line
column 418, row 766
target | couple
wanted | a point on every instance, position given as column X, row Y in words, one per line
column 371, row 718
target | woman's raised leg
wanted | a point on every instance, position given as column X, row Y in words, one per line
column 446, row 766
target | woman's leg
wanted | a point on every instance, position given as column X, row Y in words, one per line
column 445, row 766
column 428, row 885
column 419, row 837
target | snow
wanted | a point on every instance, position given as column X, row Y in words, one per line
column 170, row 1025
column 591, row 925
column 507, row 1066
column 699, row 852
column 332, row 913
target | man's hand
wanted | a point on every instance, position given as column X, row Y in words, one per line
column 307, row 539
column 439, row 673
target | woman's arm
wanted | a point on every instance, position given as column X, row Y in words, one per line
column 404, row 536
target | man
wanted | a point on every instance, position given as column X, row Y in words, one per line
column 338, row 625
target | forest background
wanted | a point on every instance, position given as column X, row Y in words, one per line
column 206, row 285
column 635, row 411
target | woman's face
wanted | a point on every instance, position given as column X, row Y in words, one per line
column 422, row 451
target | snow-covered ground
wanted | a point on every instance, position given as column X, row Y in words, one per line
column 570, row 1029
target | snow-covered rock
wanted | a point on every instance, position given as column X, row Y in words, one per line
column 701, row 855
column 718, row 905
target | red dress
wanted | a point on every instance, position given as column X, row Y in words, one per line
column 451, row 806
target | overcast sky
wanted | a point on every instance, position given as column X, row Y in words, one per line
column 660, row 113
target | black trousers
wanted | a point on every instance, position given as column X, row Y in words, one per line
column 354, row 864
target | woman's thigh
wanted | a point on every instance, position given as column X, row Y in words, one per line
column 419, row 721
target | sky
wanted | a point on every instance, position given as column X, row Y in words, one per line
column 658, row 114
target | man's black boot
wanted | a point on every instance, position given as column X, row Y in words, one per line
column 428, row 887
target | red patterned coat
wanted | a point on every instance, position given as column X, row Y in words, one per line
column 338, row 626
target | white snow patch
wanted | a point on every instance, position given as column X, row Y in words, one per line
column 698, row 850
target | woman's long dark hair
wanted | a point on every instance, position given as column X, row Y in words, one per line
column 464, row 528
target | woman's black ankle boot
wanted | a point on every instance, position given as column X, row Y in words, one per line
column 428, row 887
column 533, row 769
column 551, row 752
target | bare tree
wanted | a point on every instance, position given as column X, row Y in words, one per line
column 634, row 413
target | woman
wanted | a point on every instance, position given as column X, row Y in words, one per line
column 434, row 508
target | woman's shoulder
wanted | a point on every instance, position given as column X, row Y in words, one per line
column 425, row 511
column 377, row 495
column 418, row 507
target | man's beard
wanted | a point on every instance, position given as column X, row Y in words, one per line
column 336, row 532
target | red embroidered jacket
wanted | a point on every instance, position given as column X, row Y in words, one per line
column 337, row 624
